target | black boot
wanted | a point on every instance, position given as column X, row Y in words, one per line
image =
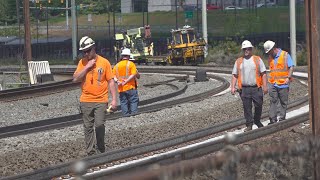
column 249, row 128
column 272, row 122
column 259, row 124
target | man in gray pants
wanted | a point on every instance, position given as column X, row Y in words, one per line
column 95, row 74
column 281, row 70
column 250, row 72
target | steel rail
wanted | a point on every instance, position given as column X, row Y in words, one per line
column 32, row 127
column 225, row 85
column 188, row 167
column 60, row 122
column 118, row 155
column 193, row 136
column 43, row 89
column 204, row 148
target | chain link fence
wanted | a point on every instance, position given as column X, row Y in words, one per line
column 252, row 23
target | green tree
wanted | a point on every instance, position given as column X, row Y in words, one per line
column 8, row 13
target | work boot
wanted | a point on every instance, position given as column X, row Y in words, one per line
column 259, row 124
column 248, row 128
column 271, row 122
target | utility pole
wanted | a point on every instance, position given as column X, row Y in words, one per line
column 27, row 35
column 293, row 42
column 147, row 12
column 47, row 17
column 18, row 21
column 114, row 19
column 204, row 23
column 142, row 4
column 313, row 46
column 176, row 4
column 198, row 24
column 109, row 28
column 67, row 14
column 74, row 30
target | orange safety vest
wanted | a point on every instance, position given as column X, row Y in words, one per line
column 256, row 60
column 278, row 72
column 124, row 75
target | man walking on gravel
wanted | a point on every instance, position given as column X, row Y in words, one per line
column 95, row 74
column 250, row 72
column 281, row 70
column 125, row 73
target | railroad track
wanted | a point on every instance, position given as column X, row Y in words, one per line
column 169, row 150
column 61, row 122
column 36, row 91
column 56, row 87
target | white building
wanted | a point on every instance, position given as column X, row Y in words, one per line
column 129, row 6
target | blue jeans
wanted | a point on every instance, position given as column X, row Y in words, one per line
column 129, row 102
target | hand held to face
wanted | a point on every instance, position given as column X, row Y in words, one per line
column 91, row 63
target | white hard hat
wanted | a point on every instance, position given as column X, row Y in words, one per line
column 126, row 51
column 246, row 44
column 85, row 43
column 131, row 58
column 268, row 45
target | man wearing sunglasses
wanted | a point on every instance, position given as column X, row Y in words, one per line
column 250, row 72
column 95, row 74
column 281, row 70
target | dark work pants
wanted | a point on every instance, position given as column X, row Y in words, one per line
column 93, row 116
column 248, row 96
column 278, row 95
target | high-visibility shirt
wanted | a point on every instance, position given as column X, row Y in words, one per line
column 122, row 70
column 256, row 60
column 279, row 70
column 95, row 85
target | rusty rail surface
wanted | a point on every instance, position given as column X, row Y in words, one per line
column 228, row 155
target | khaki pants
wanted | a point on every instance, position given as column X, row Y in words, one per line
column 93, row 116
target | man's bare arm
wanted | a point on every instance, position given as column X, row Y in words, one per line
column 113, row 93
column 78, row 77
column 264, row 82
column 291, row 71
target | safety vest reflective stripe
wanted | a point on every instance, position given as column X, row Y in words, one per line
column 256, row 60
column 121, row 78
column 285, row 67
column 281, row 77
column 278, row 72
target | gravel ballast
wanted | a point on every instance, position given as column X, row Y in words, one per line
column 34, row 151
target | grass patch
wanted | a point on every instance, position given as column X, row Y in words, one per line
column 220, row 23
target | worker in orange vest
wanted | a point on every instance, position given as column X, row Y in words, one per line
column 125, row 73
column 95, row 74
column 281, row 70
column 250, row 72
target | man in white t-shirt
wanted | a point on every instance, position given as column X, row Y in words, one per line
column 250, row 72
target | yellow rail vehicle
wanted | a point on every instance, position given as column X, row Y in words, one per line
column 186, row 47
column 138, row 40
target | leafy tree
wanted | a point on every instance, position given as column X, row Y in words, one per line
column 8, row 13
